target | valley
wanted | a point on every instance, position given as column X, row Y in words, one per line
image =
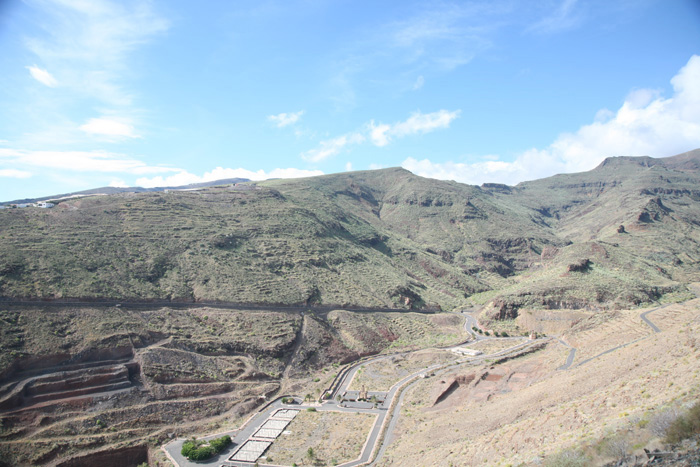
column 136, row 320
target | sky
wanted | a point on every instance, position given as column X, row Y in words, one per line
column 163, row 93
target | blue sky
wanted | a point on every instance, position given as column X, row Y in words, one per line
column 126, row 93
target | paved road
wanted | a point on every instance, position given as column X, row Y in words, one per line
column 570, row 358
column 471, row 322
column 654, row 328
column 646, row 320
column 251, row 426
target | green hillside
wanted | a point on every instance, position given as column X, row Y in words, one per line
column 384, row 238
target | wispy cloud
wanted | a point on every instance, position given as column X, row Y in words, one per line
column 448, row 35
column 79, row 161
column 87, row 43
column 43, row 76
column 14, row 173
column 381, row 134
column 109, row 127
column 645, row 124
column 185, row 178
column 420, row 81
column 284, row 119
column 331, row 147
column 564, row 16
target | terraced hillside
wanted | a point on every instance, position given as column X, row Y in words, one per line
column 80, row 380
column 623, row 234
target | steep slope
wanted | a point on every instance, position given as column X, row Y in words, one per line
column 631, row 226
column 385, row 238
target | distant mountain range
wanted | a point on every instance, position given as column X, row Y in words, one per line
column 110, row 190
column 623, row 234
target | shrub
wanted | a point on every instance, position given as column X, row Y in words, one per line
column 188, row 447
column 661, row 421
column 219, row 444
column 617, row 447
column 311, row 409
column 202, row 453
column 684, row 426
column 504, row 334
column 569, row 458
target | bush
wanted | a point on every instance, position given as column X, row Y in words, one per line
column 661, row 421
column 219, row 444
column 311, row 409
column 617, row 447
column 568, row 458
column 202, row 453
column 188, row 447
column 685, row 426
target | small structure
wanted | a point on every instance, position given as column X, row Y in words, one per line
column 533, row 336
column 44, row 205
column 466, row 351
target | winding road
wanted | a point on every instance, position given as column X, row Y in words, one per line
column 387, row 413
column 694, row 288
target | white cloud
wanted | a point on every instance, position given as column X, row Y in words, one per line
column 87, row 43
column 646, row 124
column 381, row 134
column 109, row 127
column 14, row 173
column 332, row 147
column 378, row 133
column 118, row 184
column 420, row 81
column 79, row 161
column 417, row 123
column 43, row 76
column 219, row 173
column 348, row 166
column 284, row 119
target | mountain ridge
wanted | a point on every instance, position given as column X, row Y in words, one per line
column 384, row 238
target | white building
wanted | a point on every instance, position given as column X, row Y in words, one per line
column 465, row 351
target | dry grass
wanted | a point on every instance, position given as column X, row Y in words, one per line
column 334, row 437
column 534, row 410
column 382, row 375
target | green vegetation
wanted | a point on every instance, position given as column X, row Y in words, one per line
column 219, row 444
column 685, row 426
column 197, row 450
column 381, row 238
column 201, row 453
